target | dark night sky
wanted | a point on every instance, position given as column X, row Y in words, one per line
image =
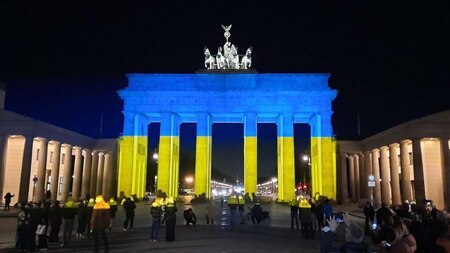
column 63, row 61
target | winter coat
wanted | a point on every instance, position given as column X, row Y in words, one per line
column 100, row 216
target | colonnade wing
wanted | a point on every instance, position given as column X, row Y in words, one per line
column 226, row 98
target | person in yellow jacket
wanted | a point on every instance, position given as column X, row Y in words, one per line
column 171, row 219
column 232, row 204
column 293, row 203
column 241, row 205
column 100, row 221
column 112, row 211
column 306, row 219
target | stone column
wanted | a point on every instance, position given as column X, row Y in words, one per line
column 26, row 169
column 376, row 173
column 368, row 169
column 107, row 176
column 203, row 153
column 285, row 151
column 419, row 183
column 169, row 154
column 385, row 186
column 406, row 173
column 94, row 168
column 251, row 152
column 351, row 168
column 362, row 177
column 395, row 181
column 3, row 140
column 357, row 182
column 344, row 178
column 54, row 174
column 86, row 173
column 65, row 180
column 41, row 167
column 446, row 171
column 77, row 173
column 101, row 163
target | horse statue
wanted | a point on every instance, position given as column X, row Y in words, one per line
column 246, row 61
column 220, row 59
column 209, row 59
column 234, row 61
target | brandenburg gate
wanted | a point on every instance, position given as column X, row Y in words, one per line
column 226, row 93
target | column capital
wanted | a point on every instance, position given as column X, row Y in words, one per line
column 384, row 148
column 40, row 139
column 393, row 145
column 53, row 142
column 375, row 150
column 350, row 157
column 407, row 141
column 86, row 151
column 368, row 153
column 76, row 148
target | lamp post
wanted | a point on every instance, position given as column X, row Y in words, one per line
column 155, row 157
column 35, row 179
column 306, row 158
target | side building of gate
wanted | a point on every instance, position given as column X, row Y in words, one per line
column 205, row 99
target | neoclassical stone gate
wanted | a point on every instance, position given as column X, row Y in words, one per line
column 205, row 99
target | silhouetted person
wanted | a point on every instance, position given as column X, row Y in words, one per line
column 8, row 197
column 257, row 213
column 82, row 219
column 171, row 219
column 55, row 222
column 68, row 211
column 190, row 217
column 369, row 212
column 100, row 221
column 129, row 207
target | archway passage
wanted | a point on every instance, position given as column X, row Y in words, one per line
column 249, row 99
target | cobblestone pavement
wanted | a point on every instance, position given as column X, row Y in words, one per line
column 274, row 237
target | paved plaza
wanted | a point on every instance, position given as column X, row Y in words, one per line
column 275, row 237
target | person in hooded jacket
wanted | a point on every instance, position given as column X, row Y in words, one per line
column 55, row 222
column 171, row 219
column 100, row 222
column 129, row 207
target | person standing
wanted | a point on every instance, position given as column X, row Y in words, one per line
column 306, row 219
column 129, row 207
column 42, row 237
column 8, row 198
column 232, row 204
column 55, row 222
column 294, row 212
column 100, row 221
column 89, row 210
column 22, row 229
column 369, row 212
column 112, row 211
column 156, row 212
column 211, row 213
column 171, row 219
column 241, row 205
column 82, row 219
column 69, row 211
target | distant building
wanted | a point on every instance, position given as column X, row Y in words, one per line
column 409, row 162
column 36, row 157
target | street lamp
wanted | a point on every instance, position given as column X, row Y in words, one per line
column 35, row 179
column 306, row 158
column 188, row 180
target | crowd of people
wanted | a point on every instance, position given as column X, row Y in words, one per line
column 404, row 228
column 401, row 229
column 43, row 220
